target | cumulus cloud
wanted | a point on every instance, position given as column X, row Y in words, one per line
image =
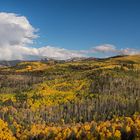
column 58, row 53
column 129, row 51
column 16, row 35
column 104, row 48
column 15, row 30
column 108, row 48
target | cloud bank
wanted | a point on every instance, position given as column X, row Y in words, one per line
column 17, row 35
column 108, row 48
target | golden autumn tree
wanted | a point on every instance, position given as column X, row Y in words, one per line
column 5, row 132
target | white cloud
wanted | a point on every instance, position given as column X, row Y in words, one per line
column 129, row 51
column 58, row 53
column 104, row 48
column 108, row 48
column 15, row 30
column 16, row 33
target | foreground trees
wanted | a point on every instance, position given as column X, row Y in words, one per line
column 5, row 132
column 119, row 128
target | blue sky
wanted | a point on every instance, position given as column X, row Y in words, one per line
column 81, row 24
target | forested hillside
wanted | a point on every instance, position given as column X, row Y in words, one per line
column 84, row 99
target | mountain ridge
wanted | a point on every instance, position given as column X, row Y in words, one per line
column 10, row 63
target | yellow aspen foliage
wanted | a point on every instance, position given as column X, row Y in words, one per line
column 128, row 128
column 117, row 134
column 5, row 132
column 29, row 68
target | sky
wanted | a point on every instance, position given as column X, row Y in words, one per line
column 63, row 29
